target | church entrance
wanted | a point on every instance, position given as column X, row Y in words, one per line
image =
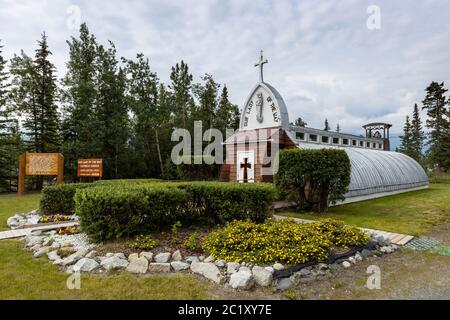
column 246, row 166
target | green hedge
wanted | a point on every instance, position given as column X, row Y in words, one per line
column 121, row 209
column 313, row 177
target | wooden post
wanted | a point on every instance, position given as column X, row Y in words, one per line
column 21, row 183
column 60, row 176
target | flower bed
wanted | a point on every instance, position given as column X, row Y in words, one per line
column 55, row 218
column 281, row 241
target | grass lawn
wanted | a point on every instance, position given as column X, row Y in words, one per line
column 22, row 277
column 412, row 213
column 10, row 204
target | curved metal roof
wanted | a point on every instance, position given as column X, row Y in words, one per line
column 374, row 171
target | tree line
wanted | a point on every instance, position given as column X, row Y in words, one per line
column 104, row 106
column 437, row 140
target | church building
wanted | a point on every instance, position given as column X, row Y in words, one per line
column 265, row 128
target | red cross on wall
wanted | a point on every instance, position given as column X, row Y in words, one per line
column 246, row 165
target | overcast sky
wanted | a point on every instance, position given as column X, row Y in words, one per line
column 323, row 58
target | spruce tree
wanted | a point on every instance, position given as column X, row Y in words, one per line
column 227, row 113
column 406, row 146
column 181, row 85
column 417, row 135
column 438, row 122
column 327, row 126
column 300, row 123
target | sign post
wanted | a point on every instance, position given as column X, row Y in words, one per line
column 90, row 168
column 40, row 164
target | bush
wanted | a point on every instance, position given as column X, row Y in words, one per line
column 142, row 242
column 313, row 178
column 282, row 241
column 60, row 199
column 192, row 241
column 124, row 210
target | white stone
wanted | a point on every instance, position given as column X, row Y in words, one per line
column 120, row 255
column 74, row 257
column 285, row 283
column 262, row 276
column 138, row 265
column 53, row 255
column 358, row 257
column 278, row 266
column 147, row 255
column 114, row 263
column 179, row 265
column 133, row 257
column 42, row 251
column 209, row 259
column 208, row 270
column 346, row 264
column 241, row 280
column 352, row 260
column 85, row 265
column 245, row 268
column 191, row 259
column 232, row 267
column 176, row 256
column 201, row 258
column 220, row 263
column 270, row 269
column 109, row 254
column 91, row 254
column 159, row 267
column 162, row 257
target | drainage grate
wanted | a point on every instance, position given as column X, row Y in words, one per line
column 422, row 244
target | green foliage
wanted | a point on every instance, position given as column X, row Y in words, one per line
column 175, row 236
column 313, row 177
column 192, row 241
column 123, row 209
column 142, row 242
column 282, row 241
column 60, row 199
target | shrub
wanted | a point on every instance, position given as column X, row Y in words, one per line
column 313, row 178
column 280, row 241
column 192, row 241
column 60, row 199
column 142, row 242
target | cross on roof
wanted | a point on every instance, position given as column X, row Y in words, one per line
column 260, row 64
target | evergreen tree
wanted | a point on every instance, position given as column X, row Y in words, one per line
column 406, row 146
column 181, row 85
column 227, row 113
column 417, row 135
column 338, row 128
column 327, row 126
column 438, row 122
column 206, row 95
column 300, row 123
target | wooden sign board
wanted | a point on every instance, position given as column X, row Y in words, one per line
column 40, row 164
column 90, row 168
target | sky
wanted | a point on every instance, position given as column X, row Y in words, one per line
column 350, row 61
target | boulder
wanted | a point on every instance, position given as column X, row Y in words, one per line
column 53, row 255
column 366, row 253
column 285, row 283
column 220, row 263
column 147, row 255
column 138, row 265
column 209, row 259
column 179, row 265
column 278, row 266
column 42, row 251
column 232, row 267
column 159, row 267
column 85, row 265
column 74, row 257
column 114, row 262
column 91, row 254
column 352, row 260
column 244, row 268
column 262, row 276
column 176, row 256
column 346, row 264
column 133, row 257
column 120, row 255
column 270, row 269
column 201, row 258
column 191, row 259
column 208, row 270
column 242, row 280
column 162, row 257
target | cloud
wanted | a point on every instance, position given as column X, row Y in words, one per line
column 322, row 58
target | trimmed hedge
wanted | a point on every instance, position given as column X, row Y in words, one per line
column 123, row 209
column 60, row 199
column 313, row 177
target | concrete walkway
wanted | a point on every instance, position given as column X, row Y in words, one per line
column 395, row 238
column 18, row 233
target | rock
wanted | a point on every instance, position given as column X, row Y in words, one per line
column 245, row 268
column 176, row 256
column 209, row 259
column 137, row 265
column 220, row 263
column 232, row 267
column 346, row 264
column 133, row 257
column 163, row 257
column 91, row 254
column 53, row 255
column 120, row 255
column 285, row 283
column 35, row 248
column 147, row 255
column 262, row 276
column 159, row 267
column 109, row 254
column 55, row 245
column 208, row 270
column 12, row 221
column 358, row 257
column 191, row 259
column 270, row 269
column 304, row 272
column 33, row 240
column 74, row 257
column 85, row 265
column 48, row 242
column 114, row 262
column 241, row 280
column 322, row 266
column 58, row 261
column 42, row 251
column 352, row 260
column 278, row 266
column 366, row 253
column 179, row 265
column 201, row 258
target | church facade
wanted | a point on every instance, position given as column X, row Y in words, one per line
column 264, row 129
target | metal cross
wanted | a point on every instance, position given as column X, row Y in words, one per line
column 246, row 165
column 260, row 65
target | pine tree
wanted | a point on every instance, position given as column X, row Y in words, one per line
column 206, row 95
column 181, row 85
column 417, row 136
column 405, row 146
column 299, row 122
column 438, row 122
column 227, row 113
column 327, row 126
